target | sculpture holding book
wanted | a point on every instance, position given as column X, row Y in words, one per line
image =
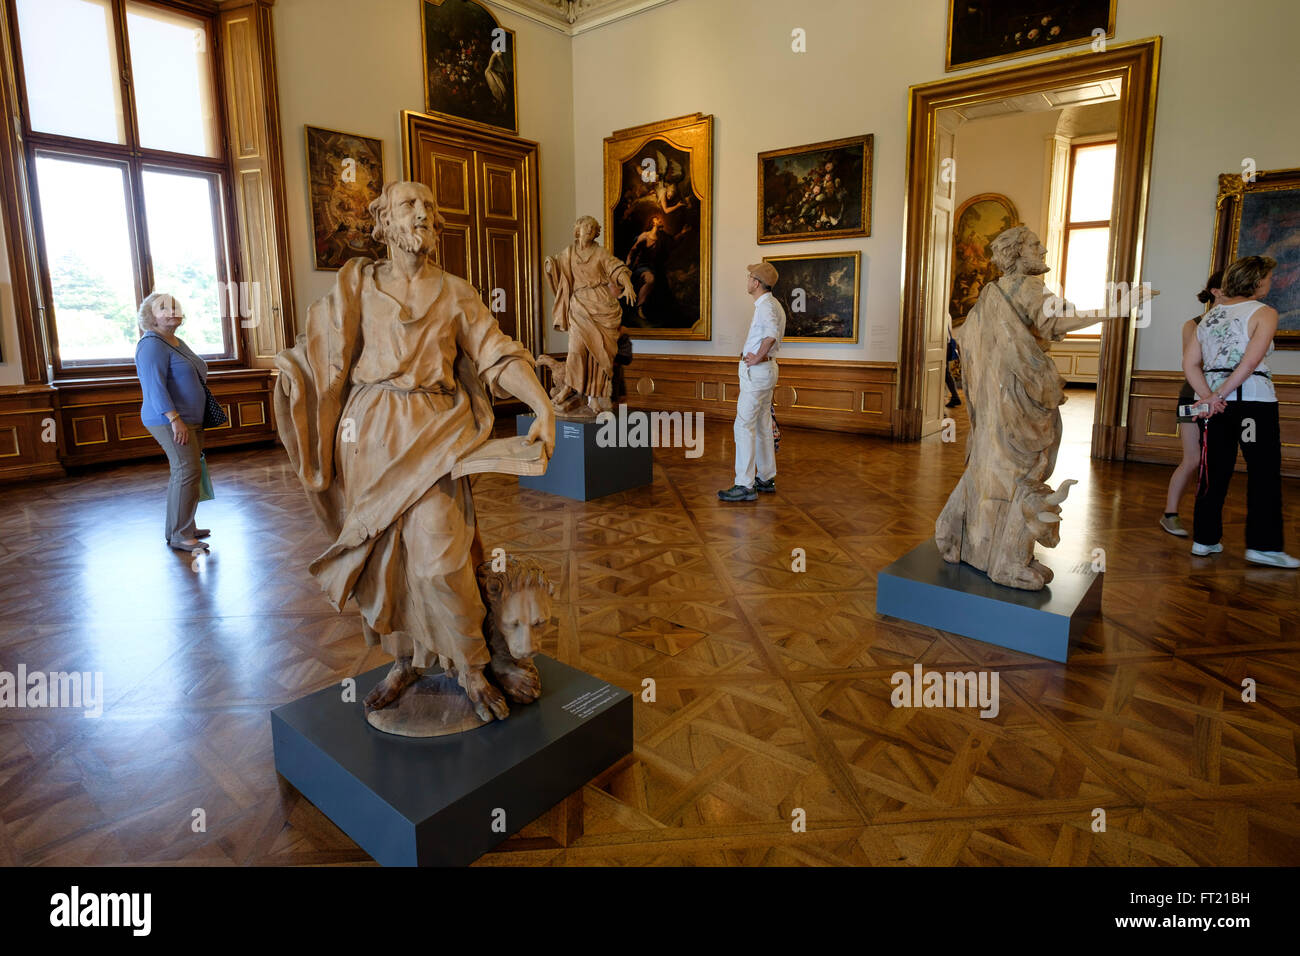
column 384, row 407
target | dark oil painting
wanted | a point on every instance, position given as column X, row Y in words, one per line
column 656, row 225
column 1270, row 226
column 980, row 31
column 469, row 64
column 821, row 191
column 345, row 173
column 820, row 296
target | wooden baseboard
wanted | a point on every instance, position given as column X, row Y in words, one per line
column 829, row 395
column 1153, row 429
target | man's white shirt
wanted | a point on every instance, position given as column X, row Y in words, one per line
column 768, row 323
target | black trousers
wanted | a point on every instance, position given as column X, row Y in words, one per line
column 1223, row 434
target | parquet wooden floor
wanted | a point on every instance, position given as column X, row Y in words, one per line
column 773, row 687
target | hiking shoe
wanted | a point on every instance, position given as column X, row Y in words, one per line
column 1278, row 559
column 767, row 486
column 1201, row 550
column 1174, row 525
column 738, row 493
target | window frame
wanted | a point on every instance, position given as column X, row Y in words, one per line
column 136, row 159
column 1067, row 226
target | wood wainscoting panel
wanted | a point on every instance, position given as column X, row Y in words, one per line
column 834, row 396
column 27, row 423
column 1153, row 431
column 99, row 419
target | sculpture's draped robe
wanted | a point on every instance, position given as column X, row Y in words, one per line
column 1013, row 392
column 375, row 406
column 587, row 308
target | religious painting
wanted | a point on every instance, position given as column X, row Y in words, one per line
column 820, row 294
column 982, row 31
column 977, row 223
column 469, row 64
column 821, row 191
column 658, row 219
column 345, row 173
column 1258, row 214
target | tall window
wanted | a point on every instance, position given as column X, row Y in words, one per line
column 127, row 168
column 1086, row 259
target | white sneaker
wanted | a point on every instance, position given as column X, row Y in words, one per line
column 1201, row 550
column 1278, row 559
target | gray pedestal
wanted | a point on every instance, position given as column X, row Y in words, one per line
column 582, row 469
column 924, row 588
column 438, row 801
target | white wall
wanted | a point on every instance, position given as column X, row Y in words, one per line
column 1007, row 155
column 733, row 58
column 354, row 67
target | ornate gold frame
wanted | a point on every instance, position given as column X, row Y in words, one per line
column 956, row 221
column 1227, row 224
column 514, row 73
column 1137, row 66
column 947, row 52
column 856, row 255
column 311, row 200
column 867, row 142
column 694, row 135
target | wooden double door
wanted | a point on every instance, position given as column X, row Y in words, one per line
column 485, row 185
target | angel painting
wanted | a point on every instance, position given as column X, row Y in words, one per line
column 657, row 233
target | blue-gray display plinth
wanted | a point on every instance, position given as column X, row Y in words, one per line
column 582, row 469
column 438, row 801
column 924, row 588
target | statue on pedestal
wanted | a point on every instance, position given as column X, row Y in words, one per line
column 1003, row 505
column 384, row 408
column 586, row 280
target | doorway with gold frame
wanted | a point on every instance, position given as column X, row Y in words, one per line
column 928, row 222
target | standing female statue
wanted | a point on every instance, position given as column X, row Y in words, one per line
column 585, row 279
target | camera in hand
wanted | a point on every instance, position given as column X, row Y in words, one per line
column 1192, row 411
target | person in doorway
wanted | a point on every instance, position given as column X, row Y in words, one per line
column 172, row 379
column 1189, row 426
column 755, row 449
column 1225, row 364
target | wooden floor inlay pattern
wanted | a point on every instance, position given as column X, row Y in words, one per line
column 773, row 691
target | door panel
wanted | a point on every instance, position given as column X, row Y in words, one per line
column 446, row 169
column 503, row 273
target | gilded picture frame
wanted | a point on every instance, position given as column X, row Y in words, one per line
column 989, row 31
column 977, row 223
column 818, row 191
column 1258, row 214
column 468, row 65
column 659, row 220
column 345, row 173
column 821, row 294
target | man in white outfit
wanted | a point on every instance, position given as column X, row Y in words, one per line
column 755, row 452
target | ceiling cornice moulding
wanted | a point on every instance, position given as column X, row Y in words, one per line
column 572, row 17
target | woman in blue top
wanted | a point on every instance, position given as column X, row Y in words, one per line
column 172, row 378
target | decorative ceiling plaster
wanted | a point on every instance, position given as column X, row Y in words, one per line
column 572, row 17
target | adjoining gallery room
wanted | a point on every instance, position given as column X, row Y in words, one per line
column 630, row 433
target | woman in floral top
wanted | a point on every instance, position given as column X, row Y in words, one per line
column 1224, row 362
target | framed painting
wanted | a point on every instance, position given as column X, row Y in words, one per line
column 345, row 173
column 977, row 223
column 820, row 294
column 469, row 64
column 819, row 191
column 659, row 220
column 1259, row 215
column 984, row 31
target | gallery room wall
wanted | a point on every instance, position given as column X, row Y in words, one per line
column 1006, row 155
column 11, row 369
column 733, row 59
column 354, row 66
